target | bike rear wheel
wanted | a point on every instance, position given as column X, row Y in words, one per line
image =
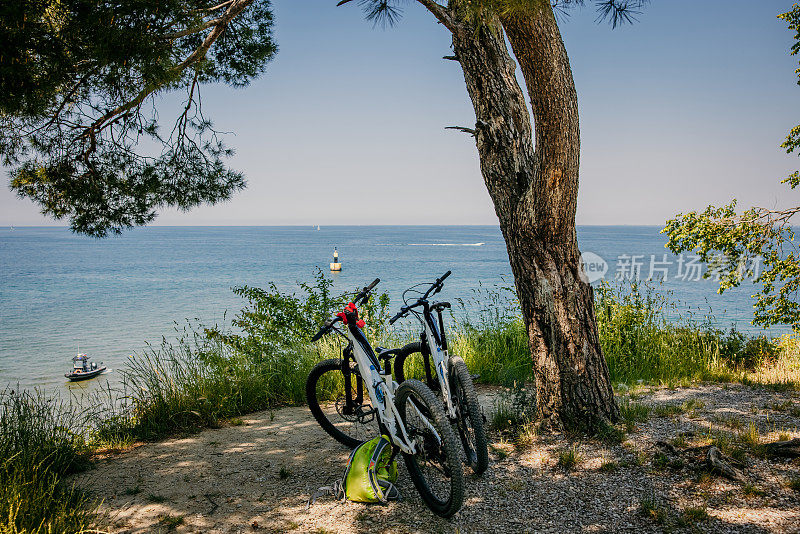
column 469, row 418
column 436, row 466
column 348, row 416
column 410, row 363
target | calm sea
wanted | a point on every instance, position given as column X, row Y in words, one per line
column 61, row 293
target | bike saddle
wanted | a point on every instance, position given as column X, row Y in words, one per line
column 440, row 306
column 386, row 354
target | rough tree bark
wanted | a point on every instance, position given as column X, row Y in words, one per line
column 534, row 190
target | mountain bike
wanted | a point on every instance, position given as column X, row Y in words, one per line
column 443, row 373
column 354, row 398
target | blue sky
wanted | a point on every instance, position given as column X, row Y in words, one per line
column 685, row 108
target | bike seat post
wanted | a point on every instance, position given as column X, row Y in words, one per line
column 386, row 366
column 442, row 335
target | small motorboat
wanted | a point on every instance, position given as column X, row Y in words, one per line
column 82, row 369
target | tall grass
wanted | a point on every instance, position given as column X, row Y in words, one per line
column 40, row 443
column 640, row 342
column 191, row 385
column 497, row 352
column 488, row 332
column 781, row 370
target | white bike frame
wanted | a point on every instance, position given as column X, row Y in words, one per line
column 441, row 362
column 381, row 389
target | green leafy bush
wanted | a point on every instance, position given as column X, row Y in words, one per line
column 273, row 321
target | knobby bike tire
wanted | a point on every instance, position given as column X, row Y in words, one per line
column 448, row 450
column 469, row 413
column 400, row 359
column 480, row 461
column 358, row 431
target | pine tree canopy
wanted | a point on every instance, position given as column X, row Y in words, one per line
column 388, row 12
column 78, row 81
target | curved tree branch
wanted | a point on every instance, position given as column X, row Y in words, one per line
column 234, row 9
column 440, row 12
column 192, row 31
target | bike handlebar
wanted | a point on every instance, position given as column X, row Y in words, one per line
column 362, row 296
column 365, row 292
column 400, row 314
column 435, row 287
column 325, row 328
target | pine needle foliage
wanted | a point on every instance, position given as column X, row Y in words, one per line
column 78, row 86
column 615, row 12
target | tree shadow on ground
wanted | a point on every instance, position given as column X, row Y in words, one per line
column 258, row 477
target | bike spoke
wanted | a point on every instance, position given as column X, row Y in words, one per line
column 430, row 457
column 360, row 421
column 464, row 422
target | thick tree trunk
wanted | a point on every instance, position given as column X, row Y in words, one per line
column 535, row 194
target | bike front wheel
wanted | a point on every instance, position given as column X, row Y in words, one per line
column 346, row 413
column 435, row 467
column 469, row 418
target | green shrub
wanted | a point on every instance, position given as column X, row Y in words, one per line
column 742, row 352
column 513, row 409
column 273, row 318
column 273, row 321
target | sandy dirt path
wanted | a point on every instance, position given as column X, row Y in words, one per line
column 257, row 477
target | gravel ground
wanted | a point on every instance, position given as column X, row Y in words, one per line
column 257, row 477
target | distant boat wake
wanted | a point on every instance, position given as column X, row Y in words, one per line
column 445, row 244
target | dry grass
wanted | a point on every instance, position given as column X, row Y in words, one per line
column 782, row 372
column 568, row 459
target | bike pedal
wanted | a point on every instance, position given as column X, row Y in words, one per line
column 476, row 376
